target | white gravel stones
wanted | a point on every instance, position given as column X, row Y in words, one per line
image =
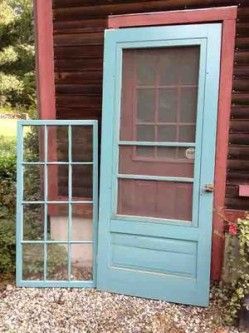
column 25, row 310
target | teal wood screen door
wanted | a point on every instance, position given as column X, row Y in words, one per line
column 157, row 159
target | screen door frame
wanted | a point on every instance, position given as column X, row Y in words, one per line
column 197, row 179
column 227, row 15
column 109, row 276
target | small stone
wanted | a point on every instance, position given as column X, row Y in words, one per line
column 9, row 287
column 222, row 330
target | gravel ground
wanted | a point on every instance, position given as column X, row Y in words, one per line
column 26, row 310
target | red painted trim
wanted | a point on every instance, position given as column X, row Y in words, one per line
column 225, row 98
column 226, row 15
column 173, row 17
column 45, row 59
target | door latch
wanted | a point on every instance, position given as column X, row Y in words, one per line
column 208, row 188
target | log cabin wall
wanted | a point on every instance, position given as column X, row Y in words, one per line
column 78, row 47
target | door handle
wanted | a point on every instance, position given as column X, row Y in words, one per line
column 208, row 188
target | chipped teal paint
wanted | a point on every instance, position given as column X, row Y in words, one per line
column 45, row 202
column 124, row 264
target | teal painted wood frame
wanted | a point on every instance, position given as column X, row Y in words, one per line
column 129, row 280
column 143, row 43
column 19, row 207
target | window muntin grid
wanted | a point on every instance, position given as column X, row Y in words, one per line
column 44, row 246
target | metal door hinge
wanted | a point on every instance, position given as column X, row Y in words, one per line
column 208, row 188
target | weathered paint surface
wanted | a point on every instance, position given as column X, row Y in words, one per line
column 131, row 248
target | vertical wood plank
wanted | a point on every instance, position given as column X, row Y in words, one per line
column 45, row 59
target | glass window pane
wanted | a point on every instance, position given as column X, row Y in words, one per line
column 33, row 222
column 146, row 66
column 33, row 261
column 187, row 133
column 166, row 133
column 82, row 262
column 33, row 183
column 168, row 65
column 158, row 161
column 188, row 105
column 82, row 222
column 189, row 64
column 57, row 262
column 58, row 182
column 82, row 181
column 167, row 111
column 57, row 222
column 168, row 96
column 33, row 143
column 57, row 143
column 167, row 153
column 146, row 105
column 168, row 200
column 145, row 152
column 82, row 141
column 145, row 133
column 181, row 154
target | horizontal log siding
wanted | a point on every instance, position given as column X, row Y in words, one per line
column 78, row 40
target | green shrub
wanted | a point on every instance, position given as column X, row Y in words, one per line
column 236, row 288
column 7, row 247
column 7, row 147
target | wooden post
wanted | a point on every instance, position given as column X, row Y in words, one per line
column 45, row 59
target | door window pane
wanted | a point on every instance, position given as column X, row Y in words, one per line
column 146, row 67
column 167, row 133
column 157, row 161
column 167, row 105
column 188, row 105
column 158, row 104
column 168, row 200
column 189, row 64
column 159, row 92
column 145, row 133
column 145, row 105
column 168, row 65
column 187, row 133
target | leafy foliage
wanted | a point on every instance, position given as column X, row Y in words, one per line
column 7, row 184
column 7, row 246
column 7, row 211
column 17, row 62
column 233, row 292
